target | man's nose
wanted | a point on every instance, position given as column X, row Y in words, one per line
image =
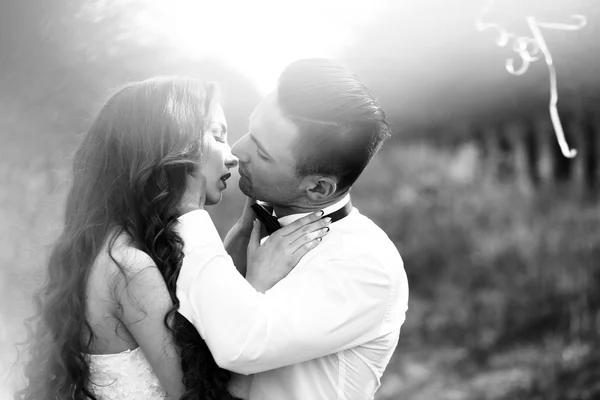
column 239, row 149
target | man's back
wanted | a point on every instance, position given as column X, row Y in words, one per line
column 355, row 270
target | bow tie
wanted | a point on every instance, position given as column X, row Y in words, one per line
column 265, row 215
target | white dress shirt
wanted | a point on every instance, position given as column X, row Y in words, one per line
column 326, row 331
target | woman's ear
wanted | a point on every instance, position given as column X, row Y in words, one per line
column 189, row 168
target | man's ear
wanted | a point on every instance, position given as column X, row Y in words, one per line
column 320, row 187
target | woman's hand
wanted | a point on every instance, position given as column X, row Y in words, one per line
column 246, row 221
column 270, row 262
column 238, row 237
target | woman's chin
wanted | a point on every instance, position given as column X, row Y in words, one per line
column 214, row 199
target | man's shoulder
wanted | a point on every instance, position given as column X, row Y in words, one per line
column 364, row 232
column 358, row 237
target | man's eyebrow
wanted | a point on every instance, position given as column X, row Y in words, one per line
column 257, row 143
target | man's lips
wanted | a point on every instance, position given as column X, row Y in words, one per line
column 241, row 172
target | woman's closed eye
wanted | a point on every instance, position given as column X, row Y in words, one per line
column 220, row 139
column 219, row 132
column 220, row 135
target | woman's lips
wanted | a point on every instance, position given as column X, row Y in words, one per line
column 226, row 176
column 224, row 179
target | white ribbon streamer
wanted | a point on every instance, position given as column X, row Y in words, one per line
column 529, row 49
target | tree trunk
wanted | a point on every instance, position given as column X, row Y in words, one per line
column 517, row 136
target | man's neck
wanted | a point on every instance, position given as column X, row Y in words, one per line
column 306, row 207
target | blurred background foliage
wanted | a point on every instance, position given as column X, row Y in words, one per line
column 500, row 234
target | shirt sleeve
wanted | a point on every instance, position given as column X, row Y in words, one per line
column 324, row 308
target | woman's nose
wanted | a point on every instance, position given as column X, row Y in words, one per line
column 231, row 161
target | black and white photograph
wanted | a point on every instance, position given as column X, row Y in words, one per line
column 300, row 200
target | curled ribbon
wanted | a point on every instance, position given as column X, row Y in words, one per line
column 529, row 49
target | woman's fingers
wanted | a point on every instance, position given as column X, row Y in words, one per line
column 247, row 213
column 309, row 228
column 300, row 223
column 254, row 236
column 305, row 248
column 315, row 235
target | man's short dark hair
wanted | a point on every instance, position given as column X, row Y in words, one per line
column 341, row 125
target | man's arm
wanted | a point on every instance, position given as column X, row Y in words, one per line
column 309, row 314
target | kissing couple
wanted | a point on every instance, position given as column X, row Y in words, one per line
column 303, row 300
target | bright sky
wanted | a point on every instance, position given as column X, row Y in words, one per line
column 259, row 37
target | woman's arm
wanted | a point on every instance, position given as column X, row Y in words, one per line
column 144, row 301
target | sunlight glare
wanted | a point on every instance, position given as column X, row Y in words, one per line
column 256, row 38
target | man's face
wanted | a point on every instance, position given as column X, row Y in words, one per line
column 266, row 160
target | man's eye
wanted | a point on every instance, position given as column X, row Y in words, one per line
column 260, row 154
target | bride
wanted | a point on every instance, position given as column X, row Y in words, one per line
column 107, row 324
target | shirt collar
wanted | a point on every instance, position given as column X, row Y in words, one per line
column 288, row 219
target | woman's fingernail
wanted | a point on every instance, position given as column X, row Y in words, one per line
column 326, row 229
column 320, row 213
column 319, row 239
column 328, row 219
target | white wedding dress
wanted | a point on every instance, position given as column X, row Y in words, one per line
column 123, row 376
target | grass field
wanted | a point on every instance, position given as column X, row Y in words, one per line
column 503, row 283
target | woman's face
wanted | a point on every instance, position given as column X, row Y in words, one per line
column 218, row 159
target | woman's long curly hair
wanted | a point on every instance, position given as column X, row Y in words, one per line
column 129, row 174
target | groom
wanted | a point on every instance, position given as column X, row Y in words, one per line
column 327, row 330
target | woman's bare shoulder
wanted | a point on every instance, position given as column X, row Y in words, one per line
column 122, row 256
column 132, row 273
column 121, row 263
